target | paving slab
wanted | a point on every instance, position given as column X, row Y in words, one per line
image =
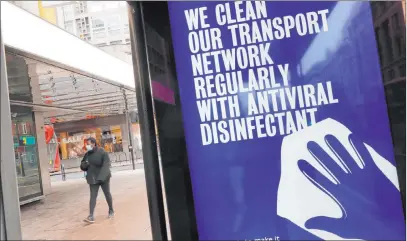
column 60, row 215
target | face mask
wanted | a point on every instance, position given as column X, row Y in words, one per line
column 89, row 147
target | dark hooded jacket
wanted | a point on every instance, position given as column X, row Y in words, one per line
column 97, row 165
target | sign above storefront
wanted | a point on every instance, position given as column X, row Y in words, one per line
column 285, row 121
column 78, row 138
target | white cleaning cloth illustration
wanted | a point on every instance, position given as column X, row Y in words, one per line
column 298, row 198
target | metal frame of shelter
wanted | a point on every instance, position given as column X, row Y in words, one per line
column 10, row 227
column 70, row 95
column 73, row 82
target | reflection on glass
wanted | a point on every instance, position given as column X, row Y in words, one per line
column 325, row 43
column 396, row 99
column 26, row 154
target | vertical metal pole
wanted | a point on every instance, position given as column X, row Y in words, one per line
column 146, row 117
column 126, row 112
column 63, row 172
column 9, row 187
column 2, row 224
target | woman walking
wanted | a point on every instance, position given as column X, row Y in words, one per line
column 96, row 163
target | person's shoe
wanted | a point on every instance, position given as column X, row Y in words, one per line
column 89, row 219
column 111, row 214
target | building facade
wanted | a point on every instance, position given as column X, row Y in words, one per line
column 100, row 23
column 103, row 24
column 389, row 22
column 389, row 19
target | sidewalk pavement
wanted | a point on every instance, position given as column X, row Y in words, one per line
column 60, row 215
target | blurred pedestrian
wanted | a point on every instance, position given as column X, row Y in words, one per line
column 96, row 163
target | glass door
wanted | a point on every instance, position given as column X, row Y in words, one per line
column 26, row 153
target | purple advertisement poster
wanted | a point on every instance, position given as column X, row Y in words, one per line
column 285, row 120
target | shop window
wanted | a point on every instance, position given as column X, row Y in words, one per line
column 396, row 104
column 14, row 129
column 98, row 23
column 95, row 6
column 24, row 129
column 99, row 34
column 379, row 46
column 26, row 153
column 395, row 21
column 68, row 12
column 114, row 27
column 149, row 56
column 114, row 32
column 400, row 46
column 69, row 26
column 73, row 144
column 115, row 42
column 101, row 45
column 387, row 41
column 112, row 140
column 391, row 74
column 126, row 30
column 402, row 70
column 113, row 20
column 151, row 67
column 111, row 5
column 382, row 7
column 98, row 30
column 388, row 4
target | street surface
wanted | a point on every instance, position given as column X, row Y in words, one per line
column 60, row 215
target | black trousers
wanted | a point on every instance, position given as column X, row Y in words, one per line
column 94, row 189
